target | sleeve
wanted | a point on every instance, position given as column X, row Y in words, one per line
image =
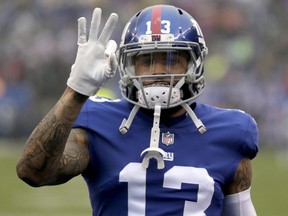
column 251, row 139
column 239, row 204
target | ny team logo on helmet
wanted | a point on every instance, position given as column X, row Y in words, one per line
column 162, row 28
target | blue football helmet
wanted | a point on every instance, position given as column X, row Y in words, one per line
column 171, row 31
column 161, row 58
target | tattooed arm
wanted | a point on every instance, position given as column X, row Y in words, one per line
column 237, row 200
column 54, row 153
column 242, row 179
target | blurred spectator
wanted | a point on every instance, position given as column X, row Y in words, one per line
column 16, row 101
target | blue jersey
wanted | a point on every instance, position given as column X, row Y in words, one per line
column 197, row 166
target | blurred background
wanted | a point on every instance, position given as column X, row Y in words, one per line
column 246, row 68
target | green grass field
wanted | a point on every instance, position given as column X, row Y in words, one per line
column 270, row 189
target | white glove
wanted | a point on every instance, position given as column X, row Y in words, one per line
column 96, row 61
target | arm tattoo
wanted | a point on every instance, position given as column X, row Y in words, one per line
column 47, row 142
column 47, row 157
column 76, row 154
column 55, row 132
column 243, row 175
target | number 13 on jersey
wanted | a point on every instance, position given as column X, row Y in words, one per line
column 135, row 175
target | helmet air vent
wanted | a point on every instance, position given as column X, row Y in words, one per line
column 180, row 11
column 138, row 13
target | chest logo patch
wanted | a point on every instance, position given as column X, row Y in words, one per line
column 167, row 138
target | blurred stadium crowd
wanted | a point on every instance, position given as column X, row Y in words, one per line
column 246, row 67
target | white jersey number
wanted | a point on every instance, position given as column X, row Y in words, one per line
column 135, row 175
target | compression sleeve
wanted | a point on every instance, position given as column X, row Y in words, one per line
column 239, row 204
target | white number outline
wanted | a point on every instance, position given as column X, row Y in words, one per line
column 135, row 175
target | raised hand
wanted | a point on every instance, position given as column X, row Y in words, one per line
column 96, row 61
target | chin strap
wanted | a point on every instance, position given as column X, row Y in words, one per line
column 125, row 125
column 198, row 123
column 154, row 151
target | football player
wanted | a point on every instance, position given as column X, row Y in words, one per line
column 157, row 151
